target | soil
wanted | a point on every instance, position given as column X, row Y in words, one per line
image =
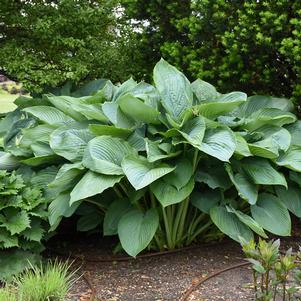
column 165, row 277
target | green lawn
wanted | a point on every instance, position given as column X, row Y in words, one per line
column 6, row 101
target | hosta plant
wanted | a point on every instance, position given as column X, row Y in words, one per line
column 162, row 165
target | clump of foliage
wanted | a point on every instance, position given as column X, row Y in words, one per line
column 23, row 223
column 162, row 165
column 274, row 275
column 50, row 281
column 46, row 43
column 252, row 46
column 8, row 294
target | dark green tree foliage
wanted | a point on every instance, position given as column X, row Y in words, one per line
column 156, row 22
column 45, row 43
column 252, row 46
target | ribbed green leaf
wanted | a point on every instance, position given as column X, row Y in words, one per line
column 109, row 130
column 113, row 215
column 204, row 91
column 291, row 159
column 181, row 175
column 174, row 88
column 242, row 147
column 155, row 153
column 193, row 131
column 60, row 207
column 291, row 198
column 48, row 114
column 92, row 184
column 257, row 102
column 138, row 110
column 229, row 224
column 66, row 176
column 261, row 172
column 141, row 173
column 272, row 215
column 168, row 194
column 104, row 155
column 219, row 143
column 136, row 230
column 246, row 189
column 70, row 143
column 223, row 104
column 205, row 200
column 8, row 162
column 215, row 176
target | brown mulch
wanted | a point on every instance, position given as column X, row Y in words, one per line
column 165, row 278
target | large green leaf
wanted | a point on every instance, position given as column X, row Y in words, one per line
column 274, row 139
column 248, row 221
column 272, row 215
column 48, row 114
column 173, row 87
column 205, row 200
column 92, row 184
column 39, row 133
column 204, row 91
column 136, row 230
column 223, row 104
column 181, row 175
column 8, row 162
column 242, row 147
column 113, row 215
column 261, row 172
column 257, row 102
column 41, row 160
column 64, row 104
column 193, row 131
column 219, row 143
column 291, row 198
column 69, row 142
column 124, row 88
column 246, row 189
column 230, row 224
column 138, row 110
column 104, row 155
column 269, row 116
column 141, row 173
column 291, row 158
column 59, row 208
column 109, row 130
column 215, row 176
column 66, row 176
column 155, row 152
column 295, row 130
column 168, row 194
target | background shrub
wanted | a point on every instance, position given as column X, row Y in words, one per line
column 251, row 46
column 45, row 43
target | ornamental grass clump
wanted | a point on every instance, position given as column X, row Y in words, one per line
column 161, row 165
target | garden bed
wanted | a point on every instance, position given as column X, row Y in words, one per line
column 166, row 277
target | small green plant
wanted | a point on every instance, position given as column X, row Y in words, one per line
column 274, row 275
column 49, row 282
column 8, row 293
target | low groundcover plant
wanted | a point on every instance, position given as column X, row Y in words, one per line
column 161, row 165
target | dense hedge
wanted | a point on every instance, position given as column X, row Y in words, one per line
column 253, row 46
